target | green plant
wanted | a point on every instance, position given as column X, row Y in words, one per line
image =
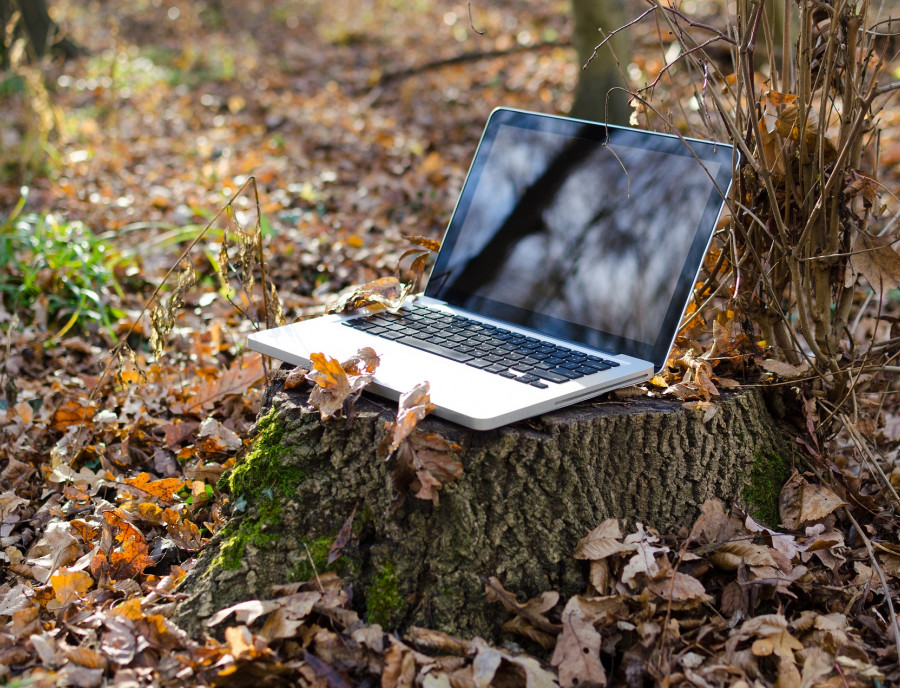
column 64, row 261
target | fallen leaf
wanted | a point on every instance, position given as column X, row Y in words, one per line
column 144, row 486
column 236, row 380
column 680, row 588
column 343, row 537
column 577, row 652
column 336, row 384
column 414, row 405
column 601, row 542
column 385, row 292
column 817, row 501
column 780, row 368
column 69, row 586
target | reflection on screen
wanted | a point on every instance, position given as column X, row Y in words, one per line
column 585, row 232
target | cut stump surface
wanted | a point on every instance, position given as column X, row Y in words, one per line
column 528, row 494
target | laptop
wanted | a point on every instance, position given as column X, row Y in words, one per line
column 564, row 272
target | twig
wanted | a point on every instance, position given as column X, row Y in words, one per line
column 465, row 57
column 877, row 567
column 472, row 22
column 861, row 444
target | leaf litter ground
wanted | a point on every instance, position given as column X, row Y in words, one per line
column 109, row 487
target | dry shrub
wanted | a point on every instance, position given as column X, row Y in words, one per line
column 802, row 89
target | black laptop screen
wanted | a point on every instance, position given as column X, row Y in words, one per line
column 589, row 233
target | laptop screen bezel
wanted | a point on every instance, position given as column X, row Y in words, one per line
column 717, row 156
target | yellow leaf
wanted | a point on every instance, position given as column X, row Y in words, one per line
column 70, row 585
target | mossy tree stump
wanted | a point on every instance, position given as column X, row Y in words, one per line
column 529, row 493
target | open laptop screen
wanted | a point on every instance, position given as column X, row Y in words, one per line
column 582, row 231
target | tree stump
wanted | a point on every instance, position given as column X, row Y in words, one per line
column 528, row 494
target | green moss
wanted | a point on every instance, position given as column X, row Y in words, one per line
column 768, row 475
column 384, row 604
column 237, row 537
column 318, row 549
column 262, row 472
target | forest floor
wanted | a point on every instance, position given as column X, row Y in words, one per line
column 356, row 121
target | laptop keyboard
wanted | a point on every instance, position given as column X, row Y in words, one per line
column 479, row 345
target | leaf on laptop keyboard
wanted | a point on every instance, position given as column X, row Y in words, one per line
column 337, row 384
column 386, row 292
column 413, row 407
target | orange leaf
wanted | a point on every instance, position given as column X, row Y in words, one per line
column 163, row 490
column 73, row 412
column 336, row 383
column 70, row 585
column 425, row 242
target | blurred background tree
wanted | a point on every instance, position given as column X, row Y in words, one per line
column 31, row 19
column 600, row 94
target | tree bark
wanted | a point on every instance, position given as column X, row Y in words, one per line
column 599, row 95
column 528, row 494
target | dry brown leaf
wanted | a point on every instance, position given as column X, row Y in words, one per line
column 385, row 292
column 817, row 501
column 577, row 652
column 729, row 555
column 424, row 464
column 530, row 619
column 414, row 405
column 602, row 541
column 876, row 259
column 679, row 588
column 643, row 561
column 295, row 378
column 86, row 657
column 399, row 666
column 780, row 368
column 243, row 374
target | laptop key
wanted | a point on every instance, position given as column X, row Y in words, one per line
column 539, row 384
column 528, row 379
column 571, row 374
column 496, row 368
column 551, row 376
column 478, row 363
column 433, row 348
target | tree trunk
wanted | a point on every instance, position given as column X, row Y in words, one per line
column 596, row 97
column 529, row 492
column 42, row 32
